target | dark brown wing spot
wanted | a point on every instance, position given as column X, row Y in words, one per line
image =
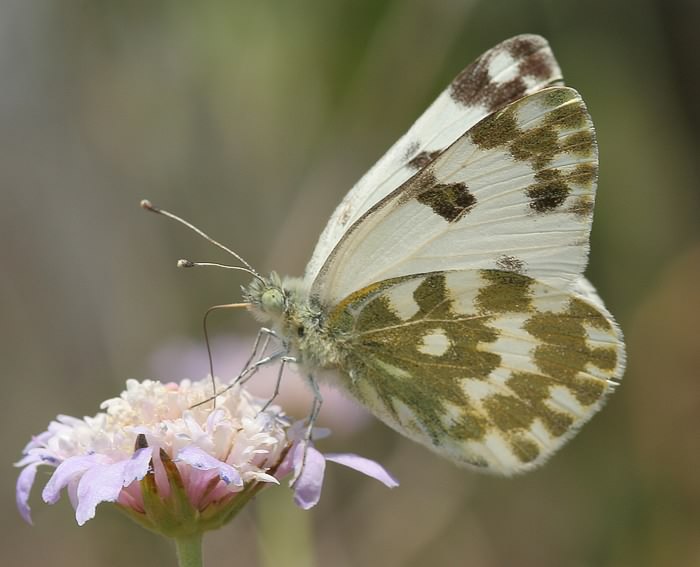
column 550, row 191
column 451, row 201
column 503, row 93
column 475, row 86
column 552, row 188
column 469, row 86
column 539, row 65
column 422, row 159
column 523, row 46
column 535, row 59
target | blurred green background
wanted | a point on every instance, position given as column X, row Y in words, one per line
column 253, row 119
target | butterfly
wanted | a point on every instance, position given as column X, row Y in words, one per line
column 447, row 289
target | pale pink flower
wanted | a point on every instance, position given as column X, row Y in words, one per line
column 154, row 428
column 172, row 466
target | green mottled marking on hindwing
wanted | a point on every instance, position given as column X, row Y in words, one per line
column 534, row 390
column 377, row 314
column 511, row 416
column 525, row 449
column 565, row 352
column 504, row 292
column 562, row 357
column 471, row 425
column 425, row 383
column 432, row 298
column 423, row 355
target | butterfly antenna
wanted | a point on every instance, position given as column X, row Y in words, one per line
column 146, row 204
column 184, row 263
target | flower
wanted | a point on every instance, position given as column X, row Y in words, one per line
column 174, row 466
column 155, row 434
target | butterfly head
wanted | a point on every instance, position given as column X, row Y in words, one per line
column 285, row 306
column 268, row 298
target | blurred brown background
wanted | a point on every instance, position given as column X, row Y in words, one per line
column 253, row 119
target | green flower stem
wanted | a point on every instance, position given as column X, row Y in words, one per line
column 285, row 532
column 189, row 551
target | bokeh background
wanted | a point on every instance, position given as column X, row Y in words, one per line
column 253, row 119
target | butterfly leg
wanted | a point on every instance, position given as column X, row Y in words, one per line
column 250, row 370
column 246, row 374
column 315, row 407
column 267, row 334
column 283, row 362
column 313, row 415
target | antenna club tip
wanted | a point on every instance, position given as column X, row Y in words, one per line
column 146, row 204
column 183, row 263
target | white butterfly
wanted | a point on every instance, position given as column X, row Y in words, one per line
column 447, row 287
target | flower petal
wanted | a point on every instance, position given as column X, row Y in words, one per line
column 69, row 470
column 100, row 483
column 37, row 441
column 307, row 487
column 365, row 466
column 138, row 465
column 261, row 477
column 28, row 459
column 24, row 487
column 287, row 464
column 203, row 461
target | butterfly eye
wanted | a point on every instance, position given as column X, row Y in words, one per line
column 273, row 301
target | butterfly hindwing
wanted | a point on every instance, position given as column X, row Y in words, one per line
column 515, row 193
column 514, row 68
column 489, row 368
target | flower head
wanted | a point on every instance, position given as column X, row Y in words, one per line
column 153, row 441
column 176, row 467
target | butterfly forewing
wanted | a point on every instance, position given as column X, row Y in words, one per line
column 489, row 368
column 514, row 68
column 515, row 192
